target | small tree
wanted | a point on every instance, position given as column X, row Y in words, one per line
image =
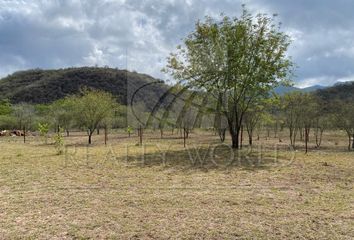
column 251, row 119
column 59, row 141
column 307, row 115
column 92, row 108
column 24, row 114
column 129, row 130
column 322, row 121
column 291, row 105
column 63, row 114
column 43, row 129
column 344, row 119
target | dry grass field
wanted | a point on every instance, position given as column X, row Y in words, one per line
column 164, row 191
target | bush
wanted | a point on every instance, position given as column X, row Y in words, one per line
column 59, row 142
column 43, row 131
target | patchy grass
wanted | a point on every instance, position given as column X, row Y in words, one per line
column 98, row 192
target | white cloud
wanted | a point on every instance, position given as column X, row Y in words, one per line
column 308, row 82
column 346, row 79
column 51, row 34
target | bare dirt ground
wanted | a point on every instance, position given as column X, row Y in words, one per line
column 165, row 191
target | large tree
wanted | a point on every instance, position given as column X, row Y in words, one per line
column 237, row 60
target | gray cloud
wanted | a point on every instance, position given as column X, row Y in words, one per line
column 60, row 33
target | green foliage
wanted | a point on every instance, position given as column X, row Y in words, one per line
column 240, row 59
column 5, row 107
column 43, row 129
column 24, row 115
column 300, row 111
column 62, row 113
column 47, row 86
column 343, row 113
column 42, row 109
column 129, row 130
column 341, row 91
column 59, row 141
column 6, row 119
column 119, row 119
column 7, row 122
column 93, row 108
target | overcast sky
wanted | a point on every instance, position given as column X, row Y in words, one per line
column 59, row 33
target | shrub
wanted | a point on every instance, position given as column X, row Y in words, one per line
column 59, row 141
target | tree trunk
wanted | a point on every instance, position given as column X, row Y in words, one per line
column 98, row 131
column 141, row 135
column 235, row 138
column 90, row 137
column 291, row 131
column 307, row 132
column 317, row 137
column 350, row 141
column 301, row 134
column 105, row 135
column 221, row 133
column 319, row 134
column 241, row 137
column 250, row 136
column 67, row 133
column 353, row 142
column 184, row 137
column 187, row 132
column 24, row 134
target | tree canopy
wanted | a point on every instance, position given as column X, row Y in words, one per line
column 237, row 60
column 92, row 108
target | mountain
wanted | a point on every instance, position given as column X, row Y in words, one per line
column 312, row 88
column 45, row 86
column 343, row 91
column 281, row 90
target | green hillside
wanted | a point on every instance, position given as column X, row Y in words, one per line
column 343, row 91
column 45, row 86
column 281, row 90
